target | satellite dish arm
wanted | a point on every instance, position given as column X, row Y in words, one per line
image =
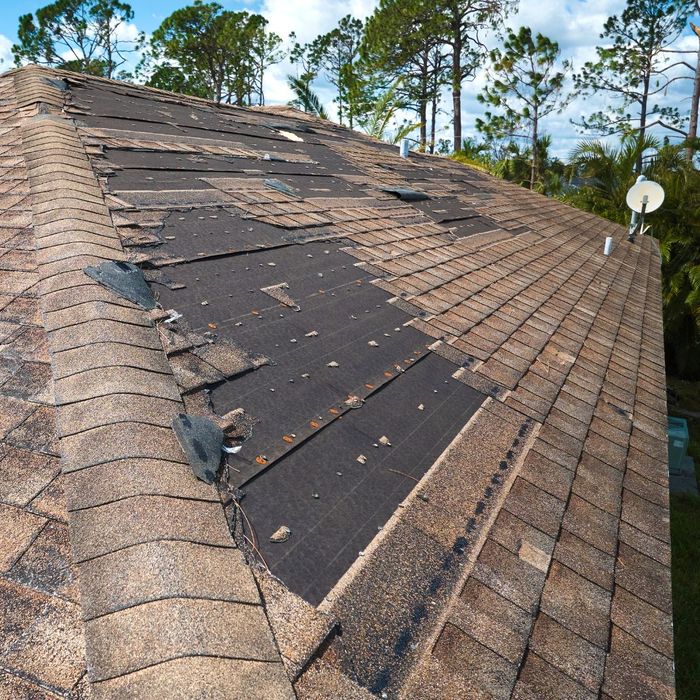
column 637, row 225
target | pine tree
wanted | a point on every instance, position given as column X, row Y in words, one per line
column 466, row 22
column 524, row 86
column 404, row 39
column 633, row 68
column 76, row 35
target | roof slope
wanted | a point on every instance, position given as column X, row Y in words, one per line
column 42, row 645
column 460, row 387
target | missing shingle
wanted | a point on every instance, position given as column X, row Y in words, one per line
column 159, row 277
column 125, row 280
column 291, row 126
column 56, row 83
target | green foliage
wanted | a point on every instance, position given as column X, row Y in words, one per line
column 466, row 23
column 303, row 56
column 632, row 68
column 305, row 99
column 404, row 39
column 510, row 161
column 524, row 87
column 206, row 51
column 337, row 54
column 384, row 112
column 76, row 35
column 605, row 173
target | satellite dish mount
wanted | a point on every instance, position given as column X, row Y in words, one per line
column 643, row 197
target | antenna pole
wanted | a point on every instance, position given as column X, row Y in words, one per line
column 645, row 201
column 634, row 225
column 635, row 216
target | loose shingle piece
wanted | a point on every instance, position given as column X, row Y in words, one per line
column 441, row 408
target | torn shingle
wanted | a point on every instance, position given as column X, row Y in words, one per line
column 126, row 280
column 201, row 441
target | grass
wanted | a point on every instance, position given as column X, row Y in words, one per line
column 685, row 574
column 685, row 551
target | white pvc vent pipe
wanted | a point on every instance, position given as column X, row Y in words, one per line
column 608, row 245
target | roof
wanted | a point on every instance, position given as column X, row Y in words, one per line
column 450, row 405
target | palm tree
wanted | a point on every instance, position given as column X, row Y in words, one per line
column 306, row 99
column 604, row 173
column 382, row 114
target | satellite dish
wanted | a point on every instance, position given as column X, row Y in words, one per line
column 653, row 192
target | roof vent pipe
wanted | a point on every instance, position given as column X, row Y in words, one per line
column 608, row 245
column 403, row 148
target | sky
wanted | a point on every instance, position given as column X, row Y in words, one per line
column 574, row 24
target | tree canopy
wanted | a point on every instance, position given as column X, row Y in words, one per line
column 210, row 52
column 524, row 86
column 78, row 35
column 404, row 40
column 633, row 68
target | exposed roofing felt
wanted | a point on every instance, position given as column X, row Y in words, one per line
column 452, row 479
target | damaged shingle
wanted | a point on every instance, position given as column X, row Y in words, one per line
column 280, row 186
column 201, row 440
column 290, row 126
column 406, row 194
column 123, row 279
column 278, row 293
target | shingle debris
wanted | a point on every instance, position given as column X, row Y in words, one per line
column 406, row 194
column 201, row 440
column 124, row 279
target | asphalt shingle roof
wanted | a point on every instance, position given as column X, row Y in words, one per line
column 512, row 540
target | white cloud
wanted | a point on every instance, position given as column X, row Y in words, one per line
column 6, row 59
column 309, row 18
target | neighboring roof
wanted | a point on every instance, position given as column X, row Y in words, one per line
column 454, row 404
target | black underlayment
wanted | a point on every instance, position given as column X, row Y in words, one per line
column 352, row 408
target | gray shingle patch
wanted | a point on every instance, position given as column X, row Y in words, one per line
column 124, row 279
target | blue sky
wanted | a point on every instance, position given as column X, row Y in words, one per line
column 575, row 24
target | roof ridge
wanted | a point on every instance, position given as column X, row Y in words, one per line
column 145, row 597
